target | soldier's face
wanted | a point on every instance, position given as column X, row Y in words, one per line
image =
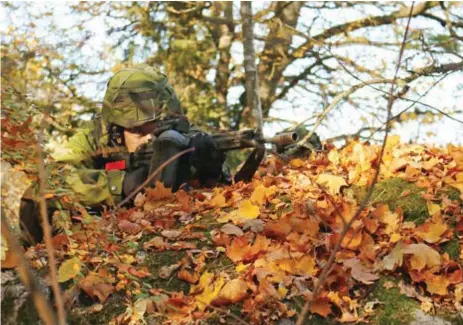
column 139, row 135
column 135, row 140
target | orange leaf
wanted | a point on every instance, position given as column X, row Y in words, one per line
column 186, row 276
column 352, row 240
column 437, row 284
column 158, row 193
column 232, row 292
column 321, row 307
column 238, row 247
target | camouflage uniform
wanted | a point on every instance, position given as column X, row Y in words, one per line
column 134, row 97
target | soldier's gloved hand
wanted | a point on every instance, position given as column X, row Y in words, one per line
column 206, row 159
column 133, row 179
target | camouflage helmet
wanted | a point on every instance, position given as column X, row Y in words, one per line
column 138, row 95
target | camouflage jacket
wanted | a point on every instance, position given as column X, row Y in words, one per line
column 80, row 157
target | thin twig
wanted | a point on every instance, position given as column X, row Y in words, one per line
column 41, row 303
column 327, row 268
column 47, row 229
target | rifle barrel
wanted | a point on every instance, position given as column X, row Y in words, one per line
column 283, row 139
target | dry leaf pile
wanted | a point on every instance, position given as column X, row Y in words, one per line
column 258, row 248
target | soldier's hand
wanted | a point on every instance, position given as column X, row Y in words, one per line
column 206, row 158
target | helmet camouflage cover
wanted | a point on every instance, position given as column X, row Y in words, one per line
column 138, row 95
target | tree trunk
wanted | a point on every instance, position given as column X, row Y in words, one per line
column 252, row 84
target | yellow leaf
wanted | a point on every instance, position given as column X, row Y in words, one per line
column 332, row 182
column 423, row 255
column 391, row 219
column 241, row 267
column 456, row 181
column 258, row 195
column 392, row 141
column 433, row 208
column 232, row 292
column 431, row 232
column 282, row 291
column 248, row 211
column 207, row 289
column 395, row 237
column 69, row 269
column 306, row 265
column 296, row 163
column 219, row 201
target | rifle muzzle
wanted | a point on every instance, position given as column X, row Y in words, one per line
column 284, row 139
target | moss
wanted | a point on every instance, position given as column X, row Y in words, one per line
column 452, row 248
column 394, row 308
column 154, row 262
column 389, row 192
column 113, row 307
column 452, row 193
column 221, row 263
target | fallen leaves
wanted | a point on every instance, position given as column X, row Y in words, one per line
column 422, row 256
column 263, row 243
column 96, row 287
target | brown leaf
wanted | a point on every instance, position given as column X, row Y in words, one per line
column 156, row 242
column 129, row 227
column 95, row 287
column 360, row 272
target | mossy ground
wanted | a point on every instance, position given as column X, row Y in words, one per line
column 390, row 192
column 394, row 308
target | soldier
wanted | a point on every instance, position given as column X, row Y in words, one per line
column 101, row 160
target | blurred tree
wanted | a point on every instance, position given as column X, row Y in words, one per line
column 309, row 53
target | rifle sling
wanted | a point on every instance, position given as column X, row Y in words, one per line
column 251, row 165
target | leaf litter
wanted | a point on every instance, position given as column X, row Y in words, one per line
column 259, row 247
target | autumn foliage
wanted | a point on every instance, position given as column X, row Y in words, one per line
column 260, row 247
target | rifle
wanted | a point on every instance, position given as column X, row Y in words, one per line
column 225, row 141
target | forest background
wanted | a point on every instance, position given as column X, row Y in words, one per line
column 327, row 65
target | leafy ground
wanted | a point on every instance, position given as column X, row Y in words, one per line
column 250, row 253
